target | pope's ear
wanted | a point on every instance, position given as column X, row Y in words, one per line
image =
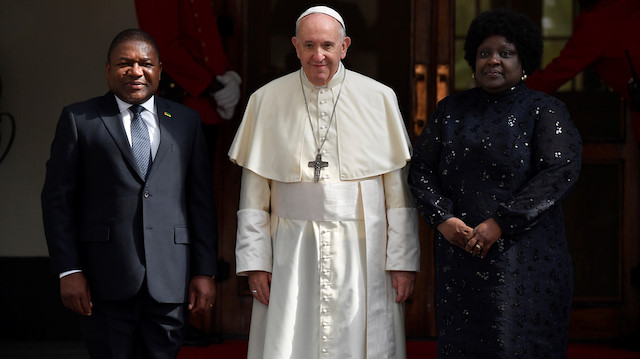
column 345, row 45
column 294, row 41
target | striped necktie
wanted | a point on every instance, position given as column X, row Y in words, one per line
column 140, row 140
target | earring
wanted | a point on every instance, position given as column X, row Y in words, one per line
column 524, row 76
column 473, row 75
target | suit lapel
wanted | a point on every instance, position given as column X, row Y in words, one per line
column 110, row 115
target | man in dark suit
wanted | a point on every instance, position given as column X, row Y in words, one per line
column 128, row 210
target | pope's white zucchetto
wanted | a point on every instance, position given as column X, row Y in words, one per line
column 322, row 10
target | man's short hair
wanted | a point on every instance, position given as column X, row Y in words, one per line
column 132, row 35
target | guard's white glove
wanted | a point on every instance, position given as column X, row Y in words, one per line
column 227, row 98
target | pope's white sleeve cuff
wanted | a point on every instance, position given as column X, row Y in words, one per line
column 253, row 242
column 403, row 246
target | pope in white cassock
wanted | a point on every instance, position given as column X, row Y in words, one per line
column 327, row 231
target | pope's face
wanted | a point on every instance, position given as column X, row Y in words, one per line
column 498, row 65
column 320, row 47
column 133, row 71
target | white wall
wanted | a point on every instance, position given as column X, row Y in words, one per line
column 52, row 53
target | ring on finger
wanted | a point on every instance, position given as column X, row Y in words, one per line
column 478, row 246
column 254, row 291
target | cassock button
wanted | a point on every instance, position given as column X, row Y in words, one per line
column 146, row 194
column 324, row 350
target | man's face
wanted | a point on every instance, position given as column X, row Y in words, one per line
column 320, row 47
column 133, row 71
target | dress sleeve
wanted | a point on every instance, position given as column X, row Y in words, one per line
column 556, row 159
column 253, row 237
column 423, row 178
column 403, row 246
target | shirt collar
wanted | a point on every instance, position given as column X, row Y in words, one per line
column 149, row 105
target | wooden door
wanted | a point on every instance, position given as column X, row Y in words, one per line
column 432, row 61
column 601, row 216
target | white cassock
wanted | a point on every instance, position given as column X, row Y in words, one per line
column 329, row 244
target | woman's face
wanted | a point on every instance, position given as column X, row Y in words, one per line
column 498, row 65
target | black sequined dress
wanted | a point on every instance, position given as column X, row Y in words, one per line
column 514, row 157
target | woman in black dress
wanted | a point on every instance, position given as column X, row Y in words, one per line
column 489, row 172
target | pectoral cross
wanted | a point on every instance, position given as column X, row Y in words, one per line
column 318, row 165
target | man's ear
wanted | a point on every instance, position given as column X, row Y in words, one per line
column 294, row 41
column 345, row 45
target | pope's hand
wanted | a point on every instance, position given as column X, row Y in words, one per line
column 260, row 284
column 227, row 98
column 403, row 282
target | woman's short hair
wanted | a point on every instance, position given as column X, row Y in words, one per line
column 517, row 28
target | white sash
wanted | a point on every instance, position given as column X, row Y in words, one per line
column 310, row 201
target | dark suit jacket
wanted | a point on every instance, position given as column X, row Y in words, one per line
column 100, row 215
